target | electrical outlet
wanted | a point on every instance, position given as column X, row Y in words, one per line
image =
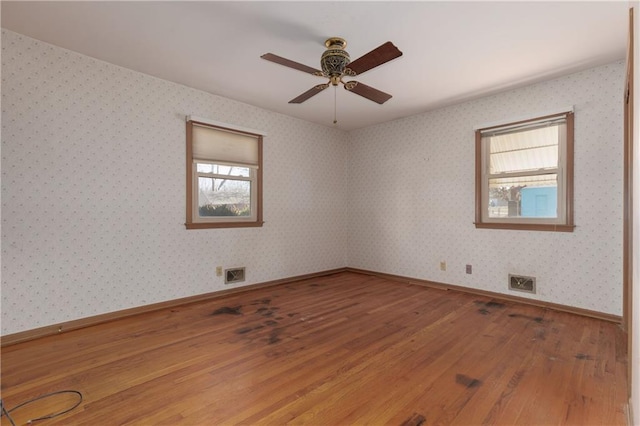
column 218, row 271
column 468, row 269
column 443, row 266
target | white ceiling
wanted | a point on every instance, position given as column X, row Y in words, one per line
column 453, row 51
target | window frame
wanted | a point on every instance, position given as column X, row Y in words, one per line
column 564, row 222
column 193, row 221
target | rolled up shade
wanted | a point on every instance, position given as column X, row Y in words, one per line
column 534, row 148
column 213, row 144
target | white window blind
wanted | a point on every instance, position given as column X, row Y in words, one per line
column 523, row 150
column 211, row 144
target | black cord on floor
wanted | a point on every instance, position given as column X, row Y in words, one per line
column 6, row 412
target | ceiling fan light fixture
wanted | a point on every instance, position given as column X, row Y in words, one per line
column 336, row 63
column 335, row 59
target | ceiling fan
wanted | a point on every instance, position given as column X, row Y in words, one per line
column 336, row 64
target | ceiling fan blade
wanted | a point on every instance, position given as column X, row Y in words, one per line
column 377, row 56
column 368, row 92
column 309, row 93
column 291, row 64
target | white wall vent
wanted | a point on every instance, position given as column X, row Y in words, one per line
column 522, row 283
column 233, row 275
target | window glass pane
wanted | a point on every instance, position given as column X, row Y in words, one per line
column 204, row 167
column 221, row 169
column 525, row 196
column 223, row 197
column 531, row 149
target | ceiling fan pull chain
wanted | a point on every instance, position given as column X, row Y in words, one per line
column 335, row 105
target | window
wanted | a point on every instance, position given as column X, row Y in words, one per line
column 524, row 174
column 224, row 176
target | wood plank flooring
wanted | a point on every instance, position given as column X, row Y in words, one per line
column 338, row 350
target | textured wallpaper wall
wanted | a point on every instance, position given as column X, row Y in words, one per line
column 412, row 197
column 93, row 191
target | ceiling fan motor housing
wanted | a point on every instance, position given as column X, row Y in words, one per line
column 335, row 59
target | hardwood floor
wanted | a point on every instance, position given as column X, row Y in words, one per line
column 342, row 349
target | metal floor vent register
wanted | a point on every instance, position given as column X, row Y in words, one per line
column 522, row 283
column 233, row 275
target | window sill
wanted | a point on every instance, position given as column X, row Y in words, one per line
column 526, row 226
column 212, row 225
